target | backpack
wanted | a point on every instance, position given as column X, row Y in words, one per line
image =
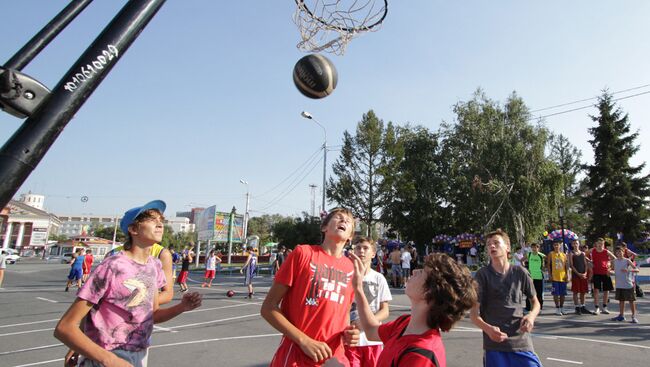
column 639, row 291
column 424, row 352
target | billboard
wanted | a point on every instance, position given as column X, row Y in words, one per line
column 213, row 226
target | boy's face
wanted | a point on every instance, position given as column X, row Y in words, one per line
column 365, row 251
column 575, row 245
column 415, row 287
column 496, row 247
column 618, row 253
column 339, row 227
column 556, row 246
column 600, row 245
column 534, row 248
column 149, row 231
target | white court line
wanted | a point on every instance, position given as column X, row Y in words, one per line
column 222, row 307
column 47, row 300
column 27, row 332
column 29, row 323
column 214, row 340
column 215, row 321
column 31, row 349
column 596, row 322
column 43, row 362
column 156, row 327
column 563, row 360
column 15, row 290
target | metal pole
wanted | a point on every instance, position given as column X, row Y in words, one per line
column 324, row 170
column 46, row 35
column 231, row 225
column 561, row 209
column 114, row 230
column 246, row 216
column 26, row 148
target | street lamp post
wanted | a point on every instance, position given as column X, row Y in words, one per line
column 246, row 215
column 561, row 214
column 308, row 116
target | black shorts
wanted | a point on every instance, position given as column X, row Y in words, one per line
column 602, row 282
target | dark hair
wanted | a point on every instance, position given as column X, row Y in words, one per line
column 88, row 251
column 449, row 289
column 143, row 217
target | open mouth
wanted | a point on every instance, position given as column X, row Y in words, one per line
column 341, row 228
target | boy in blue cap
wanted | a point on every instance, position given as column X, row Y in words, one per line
column 120, row 301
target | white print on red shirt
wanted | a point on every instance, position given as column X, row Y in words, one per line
column 326, row 283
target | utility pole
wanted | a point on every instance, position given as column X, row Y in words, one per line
column 313, row 199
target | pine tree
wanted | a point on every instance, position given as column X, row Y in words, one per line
column 617, row 195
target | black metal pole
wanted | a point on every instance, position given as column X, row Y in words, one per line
column 24, row 150
column 46, row 35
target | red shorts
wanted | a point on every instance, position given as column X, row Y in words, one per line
column 209, row 274
column 290, row 355
column 363, row 356
column 182, row 277
column 579, row 285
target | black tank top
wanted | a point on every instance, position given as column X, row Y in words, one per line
column 579, row 262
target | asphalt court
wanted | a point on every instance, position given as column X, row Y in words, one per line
column 230, row 332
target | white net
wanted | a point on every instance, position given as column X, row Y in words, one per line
column 328, row 25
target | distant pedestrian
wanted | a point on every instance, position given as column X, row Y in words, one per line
column 210, row 269
column 3, row 266
column 186, row 259
column 176, row 258
column 406, row 258
column 396, row 267
column 249, row 269
column 535, row 264
column 76, row 269
column 602, row 281
column 624, row 271
column 558, row 271
column 88, row 264
column 579, row 277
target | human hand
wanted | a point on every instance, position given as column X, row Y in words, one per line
column 582, row 275
column 527, row 324
column 317, row 351
column 71, row 359
column 624, row 270
column 359, row 272
column 496, row 335
column 351, row 335
column 191, row 301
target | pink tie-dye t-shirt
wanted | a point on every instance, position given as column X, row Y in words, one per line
column 122, row 292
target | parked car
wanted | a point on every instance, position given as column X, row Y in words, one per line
column 66, row 258
column 12, row 256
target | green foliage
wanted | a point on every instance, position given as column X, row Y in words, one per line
column 106, row 232
column 294, row 231
column 360, row 171
column 263, row 227
column 498, row 175
column 616, row 196
column 57, row 237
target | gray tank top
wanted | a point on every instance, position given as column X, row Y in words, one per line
column 623, row 280
column 579, row 262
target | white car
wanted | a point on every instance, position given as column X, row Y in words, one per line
column 12, row 256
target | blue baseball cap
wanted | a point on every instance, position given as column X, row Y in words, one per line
column 129, row 216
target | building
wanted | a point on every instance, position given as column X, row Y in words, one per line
column 98, row 246
column 27, row 228
column 82, row 225
column 180, row 224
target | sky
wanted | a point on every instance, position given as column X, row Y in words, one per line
column 204, row 97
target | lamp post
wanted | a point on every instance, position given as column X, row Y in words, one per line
column 560, row 211
column 247, row 205
column 308, row 116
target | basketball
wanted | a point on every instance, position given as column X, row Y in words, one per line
column 315, row 76
column 230, row 293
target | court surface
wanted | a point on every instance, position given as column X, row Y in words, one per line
column 230, row 332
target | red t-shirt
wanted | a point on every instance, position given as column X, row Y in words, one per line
column 318, row 301
column 88, row 263
column 601, row 261
column 395, row 344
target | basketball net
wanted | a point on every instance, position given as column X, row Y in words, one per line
column 329, row 25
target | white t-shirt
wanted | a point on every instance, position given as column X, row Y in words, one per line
column 211, row 264
column 376, row 290
column 518, row 258
column 3, row 261
column 406, row 260
column 472, row 251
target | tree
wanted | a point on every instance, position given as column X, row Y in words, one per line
column 57, row 237
column 263, row 226
column 498, row 174
column 417, row 209
column 617, row 195
column 360, row 171
column 568, row 158
column 294, row 231
column 106, row 232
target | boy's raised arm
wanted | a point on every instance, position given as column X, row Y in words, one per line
column 369, row 323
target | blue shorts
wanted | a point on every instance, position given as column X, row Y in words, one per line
column 75, row 274
column 493, row 358
column 559, row 289
column 406, row 272
column 396, row 269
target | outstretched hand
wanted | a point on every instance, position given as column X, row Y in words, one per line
column 191, row 301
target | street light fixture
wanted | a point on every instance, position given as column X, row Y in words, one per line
column 308, row 116
column 246, row 215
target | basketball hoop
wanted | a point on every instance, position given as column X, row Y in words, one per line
column 328, row 25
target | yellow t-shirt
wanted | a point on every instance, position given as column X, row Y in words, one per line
column 558, row 266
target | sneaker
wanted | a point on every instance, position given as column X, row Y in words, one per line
column 605, row 311
column 597, row 312
column 558, row 312
column 634, row 320
column 584, row 311
column 578, row 311
column 619, row 318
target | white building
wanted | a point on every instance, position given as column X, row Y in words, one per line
column 180, row 224
column 26, row 228
column 83, row 225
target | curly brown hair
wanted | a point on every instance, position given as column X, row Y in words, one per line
column 450, row 291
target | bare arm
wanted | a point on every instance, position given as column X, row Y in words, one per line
column 189, row 302
column 369, row 323
column 167, row 292
column 248, row 260
column 68, row 332
column 271, row 312
column 383, row 312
